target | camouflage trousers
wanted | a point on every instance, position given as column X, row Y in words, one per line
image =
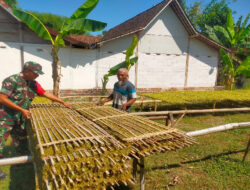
column 17, row 133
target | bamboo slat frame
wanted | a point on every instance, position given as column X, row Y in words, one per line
column 58, row 134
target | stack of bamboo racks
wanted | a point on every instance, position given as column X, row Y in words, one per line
column 89, row 146
column 72, row 152
column 145, row 136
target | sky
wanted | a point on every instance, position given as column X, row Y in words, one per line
column 113, row 12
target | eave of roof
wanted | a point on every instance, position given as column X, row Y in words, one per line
column 78, row 40
column 8, row 9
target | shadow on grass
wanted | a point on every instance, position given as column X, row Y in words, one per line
column 22, row 177
column 198, row 160
column 121, row 187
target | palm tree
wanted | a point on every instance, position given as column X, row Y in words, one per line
column 128, row 63
column 76, row 24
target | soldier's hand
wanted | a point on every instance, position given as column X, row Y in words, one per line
column 26, row 113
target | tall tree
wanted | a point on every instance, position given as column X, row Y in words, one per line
column 195, row 13
column 76, row 24
column 214, row 14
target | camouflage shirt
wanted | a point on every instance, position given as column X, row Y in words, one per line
column 21, row 93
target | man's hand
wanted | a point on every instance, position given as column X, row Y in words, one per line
column 26, row 113
column 67, row 105
column 100, row 103
column 124, row 107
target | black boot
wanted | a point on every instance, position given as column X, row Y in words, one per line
column 3, row 175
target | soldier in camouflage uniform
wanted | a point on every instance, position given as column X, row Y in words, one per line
column 16, row 95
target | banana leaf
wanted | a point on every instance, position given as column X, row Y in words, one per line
column 227, row 61
column 212, row 34
column 113, row 70
column 230, row 24
column 79, row 25
column 130, row 51
column 226, row 36
column 84, row 9
column 33, row 23
column 244, row 68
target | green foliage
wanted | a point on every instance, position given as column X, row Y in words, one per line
column 227, row 61
column 244, row 68
column 195, row 13
column 236, row 37
column 53, row 21
column 130, row 51
column 34, row 23
column 214, row 13
column 113, row 70
column 79, row 25
column 84, row 9
column 11, row 3
column 230, row 35
column 192, row 97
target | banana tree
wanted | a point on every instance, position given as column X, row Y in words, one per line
column 76, row 24
column 128, row 63
column 231, row 71
column 233, row 35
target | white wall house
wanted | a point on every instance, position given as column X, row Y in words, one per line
column 172, row 54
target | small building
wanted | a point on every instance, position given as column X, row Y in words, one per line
column 172, row 54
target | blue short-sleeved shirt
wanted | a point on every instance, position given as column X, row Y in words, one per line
column 122, row 93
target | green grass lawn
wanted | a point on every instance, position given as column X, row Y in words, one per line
column 213, row 163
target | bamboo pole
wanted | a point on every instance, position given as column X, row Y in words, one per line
column 218, row 129
column 135, row 163
column 140, row 102
column 157, row 117
column 191, row 111
column 142, row 174
column 15, row 160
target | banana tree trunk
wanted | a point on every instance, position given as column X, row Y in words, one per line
column 104, row 86
column 55, row 71
column 232, row 83
column 231, row 74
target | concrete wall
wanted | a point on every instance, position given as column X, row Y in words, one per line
column 165, row 35
column 162, row 53
column 203, row 65
column 78, row 65
column 10, row 59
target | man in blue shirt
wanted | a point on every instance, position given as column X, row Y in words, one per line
column 124, row 94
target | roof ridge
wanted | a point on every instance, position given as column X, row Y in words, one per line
column 140, row 13
column 152, row 13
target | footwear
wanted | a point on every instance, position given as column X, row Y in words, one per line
column 3, row 175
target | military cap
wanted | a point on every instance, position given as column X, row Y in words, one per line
column 34, row 67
